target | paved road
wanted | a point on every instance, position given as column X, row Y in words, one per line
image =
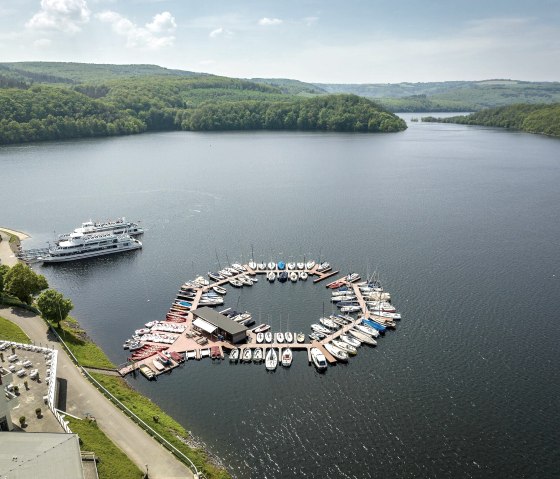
column 83, row 398
column 6, row 254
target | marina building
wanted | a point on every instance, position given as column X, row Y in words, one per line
column 211, row 322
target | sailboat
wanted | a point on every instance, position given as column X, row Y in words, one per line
column 271, row 361
column 287, row 357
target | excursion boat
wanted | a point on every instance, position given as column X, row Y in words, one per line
column 339, row 354
column 261, row 328
column 289, row 337
column 281, row 265
column 287, row 357
column 252, row 265
column 318, row 359
column 293, row 277
column 260, row 337
column 282, row 276
column 317, row 328
column 300, row 338
column 363, row 337
column 247, row 355
column 279, row 337
column 215, row 276
column 310, row 265
column 257, row 355
column 271, row 276
column 303, row 275
column 329, row 323
column 81, row 246
column 219, row 289
column 345, row 346
column 272, row 265
column 300, row 265
column 234, row 355
column 271, row 361
column 268, row 337
column 351, row 340
column 291, row 265
column 117, row 227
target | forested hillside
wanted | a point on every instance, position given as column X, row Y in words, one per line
column 50, row 103
column 542, row 119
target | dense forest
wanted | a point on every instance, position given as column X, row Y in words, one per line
column 44, row 104
column 542, row 119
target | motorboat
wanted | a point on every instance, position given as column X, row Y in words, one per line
column 236, row 283
column 271, row 361
column 303, row 275
column 225, row 273
column 320, row 329
column 234, row 355
column 239, row 267
column 309, row 265
column 339, row 354
column 323, row 267
column 384, row 314
column 219, row 289
column 318, row 359
column 281, row 265
column 252, row 265
column 247, row 355
column 317, row 336
column 351, row 340
column 233, row 271
column 142, row 331
column 329, row 323
column 287, row 357
column 345, row 346
column 257, row 355
column 374, row 325
column 291, row 265
column 279, row 337
column 363, row 337
column 300, row 338
column 268, row 337
column 245, row 280
column 215, row 276
column 261, row 328
column 350, row 309
column 282, row 276
column 271, row 276
column 383, row 306
column 352, row 277
column 367, row 329
column 201, row 280
column 271, row 265
column 293, row 277
column 300, row 265
column 339, row 321
column 289, row 337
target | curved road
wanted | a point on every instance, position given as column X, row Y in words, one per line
column 83, row 398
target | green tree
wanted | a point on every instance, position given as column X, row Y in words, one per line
column 4, row 268
column 23, row 283
column 54, row 306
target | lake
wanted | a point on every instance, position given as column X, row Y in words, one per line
column 460, row 223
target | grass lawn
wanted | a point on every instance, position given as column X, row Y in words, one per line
column 11, row 332
column 113, row 463
column 166, row 426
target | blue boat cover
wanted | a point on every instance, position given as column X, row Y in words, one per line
column 281, row 265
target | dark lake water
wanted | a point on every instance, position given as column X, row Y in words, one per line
column 460, row 222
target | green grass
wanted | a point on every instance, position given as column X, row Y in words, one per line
column 166, row 426
column 85, row 350
column 12, row 332
column 113, row 463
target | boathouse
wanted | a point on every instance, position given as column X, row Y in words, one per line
column 215, row 323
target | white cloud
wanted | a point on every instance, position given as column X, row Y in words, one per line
column 62, row 15
column 310, row 21
column 42, row 43
column 220, row 32
column 269, row 21
column 153, row 36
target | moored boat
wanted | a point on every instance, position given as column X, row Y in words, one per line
column 271, row 361
column 247, row 355
column 268, row 337
column 309, row 265
column 351, row 340
column 303, row 275
column 219, row 289
column 339, row 354
column 261, row 328
column 318, row 359
column 234, row 355
column 279, row 337
column 271, row 276
column 271, row 265
column 287, row 357
column 368, row 330
column 257, row 355
column 363, row 337
column 329, row 323
column 260, row 337
column 282, row 276
column 300, row 265
column 300, row 338
column 289, row 337
column 345, row 346
column 293, row 276
column 320, row 329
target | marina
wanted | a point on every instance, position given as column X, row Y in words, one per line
column 193, row 330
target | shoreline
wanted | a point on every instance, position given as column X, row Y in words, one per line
column 10, row 244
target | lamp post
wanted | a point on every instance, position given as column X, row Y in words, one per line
column 146, row 471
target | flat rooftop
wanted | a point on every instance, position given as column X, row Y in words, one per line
column 219, row 320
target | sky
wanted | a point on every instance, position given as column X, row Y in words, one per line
column 322, row 41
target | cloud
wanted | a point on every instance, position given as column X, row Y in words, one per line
column 220, row 32
column 153, row 36
column 62, row 15
column 42, row 43
column 269, row 21
column 310, row 21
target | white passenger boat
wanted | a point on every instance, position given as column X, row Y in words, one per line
column 279, row 337
column 260, row 337
column 234, row 355
column 318, row 359
column 345, row 346
column 257, row 355
column 287, row 357
column 268, row 337
column 289, row 337
column 271, row 361
column 117, row 227
column 339, row 354
column 81, row 246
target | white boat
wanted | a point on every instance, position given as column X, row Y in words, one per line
column 117, row 227
column 260, row 337
column 201, row 280
column 309, row 265
column 363, row 337
column 279, row 337
column 257, row 355
column 291, row 265
column 323, row 267
column 271, row 276
column 247, row 355
column 345, row 346
column 318, row 359
column 320, row 329
column 339, row 354
column 158, row 365
column 271, row 265
column 368, row 330
column 234, row 355
column 261, row 266
column 261, row 328
column 225, row 273
column 81, row 246
column 287, row 357
column 215, row 276
column 289, row 337
column 268, row 337
column 219, row 289
column 300, row 265
column 350, row 309
column 384, row 314
column 293, row 276
column 252, row 265
column 303, row 275
column 271, row 361
column 239, row 267
column 236, row 283
column 351, row 340
column 382, row 305
column 244, row 280
column 329, row 323
column 300, row 338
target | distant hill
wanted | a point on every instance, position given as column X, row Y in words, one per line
column 541, row 119
column 293, row 87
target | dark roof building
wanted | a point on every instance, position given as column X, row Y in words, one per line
column 215, row 323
